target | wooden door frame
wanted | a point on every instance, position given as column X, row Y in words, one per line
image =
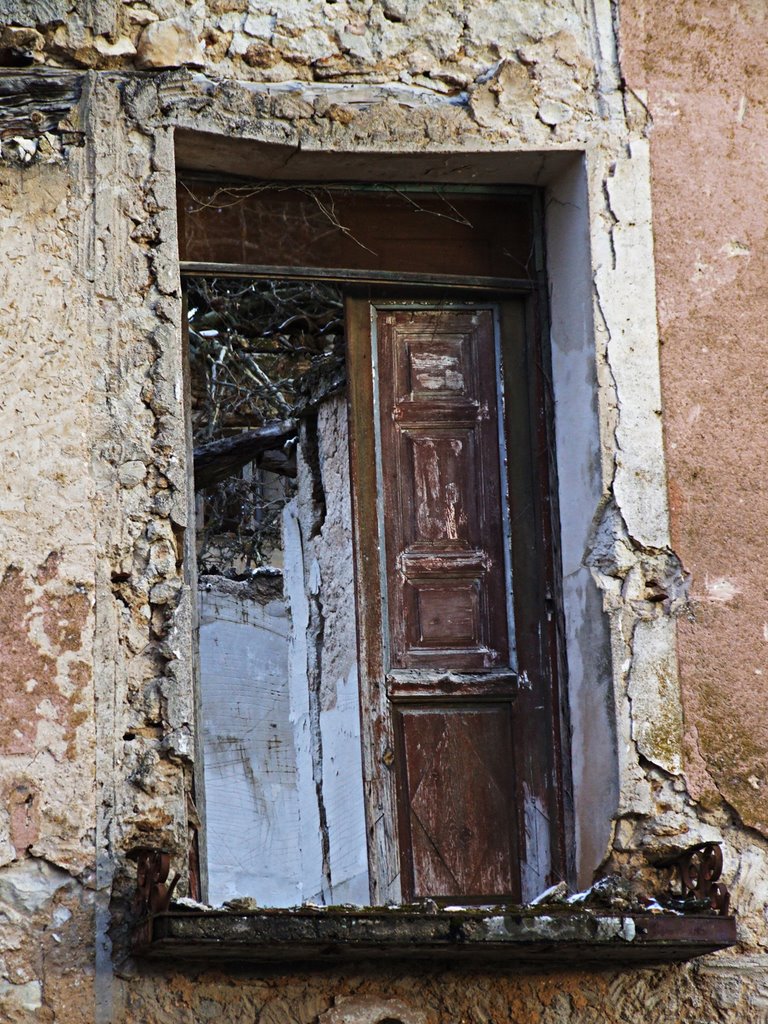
column 528, row 429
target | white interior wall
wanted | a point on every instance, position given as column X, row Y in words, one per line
column 249, row 746
column 306, row 826
column 283, row 769
column 339, row 694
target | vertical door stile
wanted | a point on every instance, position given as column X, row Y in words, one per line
column 376, row 730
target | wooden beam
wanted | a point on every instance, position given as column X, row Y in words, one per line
column 217, row 460
column 36, row 102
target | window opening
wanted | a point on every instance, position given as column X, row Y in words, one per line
column 457, row 791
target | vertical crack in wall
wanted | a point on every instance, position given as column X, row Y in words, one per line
column 310, row 452
column 315, row 636
column 644, row 589
column 611, row 412
column 600, row 23
column 613, row 220
column 643, row 582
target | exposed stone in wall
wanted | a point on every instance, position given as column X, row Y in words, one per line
column 371, row 1010
column 92, row 374
column 170, row 43
column 706, row 993
column 513, row 57
column 95, row 614
column 47, row 944
column 143, row 603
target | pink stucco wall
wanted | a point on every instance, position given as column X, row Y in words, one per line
column 703, row 67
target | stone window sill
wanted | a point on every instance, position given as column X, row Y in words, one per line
column 514, row 936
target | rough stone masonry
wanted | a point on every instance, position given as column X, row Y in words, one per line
column 655, row 235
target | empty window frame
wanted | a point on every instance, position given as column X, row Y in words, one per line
column 464, row 781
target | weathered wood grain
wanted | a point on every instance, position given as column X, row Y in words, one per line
column 33, row 103
column 446, row 570
column 376, row 723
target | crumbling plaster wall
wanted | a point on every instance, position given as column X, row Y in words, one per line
column 374, row 994
column 98, row 715
column 92, row 224
column 709, row 102
column 47, row 530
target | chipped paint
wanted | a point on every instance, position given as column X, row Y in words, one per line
column 100, row 717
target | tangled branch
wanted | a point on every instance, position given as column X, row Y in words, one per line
column 261, row 353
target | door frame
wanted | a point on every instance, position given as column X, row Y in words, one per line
column 551, row 804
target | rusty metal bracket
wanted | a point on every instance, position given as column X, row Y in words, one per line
column 153, row 895
column 699, row 868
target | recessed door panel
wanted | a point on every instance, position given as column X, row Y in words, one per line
column 459, row 820
column 446, row 573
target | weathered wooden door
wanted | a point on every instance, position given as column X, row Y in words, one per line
column 444, row 680
column 446, row 580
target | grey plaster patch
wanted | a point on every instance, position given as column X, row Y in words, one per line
column 27, row 885
column 373, row 1010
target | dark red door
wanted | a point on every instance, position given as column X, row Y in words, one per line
column 447, row 589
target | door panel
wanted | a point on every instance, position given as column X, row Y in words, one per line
column 446, row 582
column 446, row 574
column 459, row 826
column 459, row 701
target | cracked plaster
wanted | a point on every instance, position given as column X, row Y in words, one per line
column 99, row 297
